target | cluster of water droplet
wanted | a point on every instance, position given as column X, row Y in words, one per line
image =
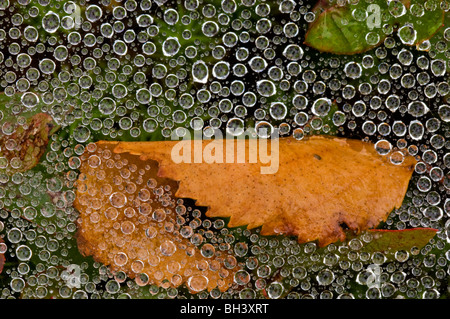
column 141, row 70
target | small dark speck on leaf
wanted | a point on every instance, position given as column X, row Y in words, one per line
column 344, row 226
column 317, row 157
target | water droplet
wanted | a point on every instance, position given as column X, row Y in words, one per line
column 325, row 277
column 321, row 106
column 118, row 199
column 50, row 22
column 200, row 72
column 353, row 70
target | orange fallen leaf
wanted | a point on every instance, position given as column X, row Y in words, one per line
column 130, row 220
column 322, row 187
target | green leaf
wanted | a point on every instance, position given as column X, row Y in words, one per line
column 437, row 46
column 356, row 28
column 426, row 20
column 332, row 32
column 390, row 241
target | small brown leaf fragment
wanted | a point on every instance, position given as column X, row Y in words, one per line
column 308, row 198
column 407, row 3
column 131, row 221
column 23, row 148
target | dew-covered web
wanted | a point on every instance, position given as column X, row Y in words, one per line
column 76, row 72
